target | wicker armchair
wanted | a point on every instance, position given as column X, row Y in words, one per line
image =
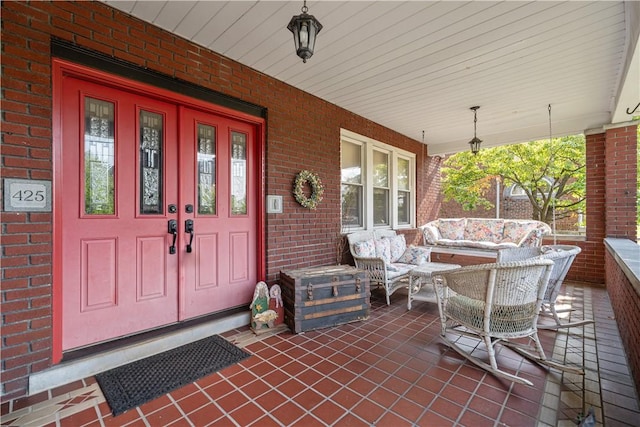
column 380, row 273
column 496, row 303
column 562, row 257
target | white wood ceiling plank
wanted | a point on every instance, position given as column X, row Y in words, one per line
column 513, row 65
column 190, row 16
column 450, row 49
column 148, row 10
column 221, row 20
column 123, row 5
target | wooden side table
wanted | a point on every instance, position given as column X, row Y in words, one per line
column 420, row 285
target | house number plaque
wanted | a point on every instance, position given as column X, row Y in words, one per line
column 27, row 195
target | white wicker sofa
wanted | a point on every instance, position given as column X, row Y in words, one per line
column 482, row 236
column 385, row 257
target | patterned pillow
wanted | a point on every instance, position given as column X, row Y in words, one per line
column 484, row 230
column 416, row 255
column 452, row 228
column 383, row 249
column 398, row 245
column 515, row 231
column 365, row 249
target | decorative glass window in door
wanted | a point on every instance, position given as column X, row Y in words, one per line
column 206, row 170
column 99, row 157
column 150, row 163
column 238, row 173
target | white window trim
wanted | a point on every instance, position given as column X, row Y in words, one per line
column 368, row 145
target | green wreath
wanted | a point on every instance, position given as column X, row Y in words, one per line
column 307, row 177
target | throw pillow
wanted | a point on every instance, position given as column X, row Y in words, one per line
column 484, row 230
column 383, row 249
column 514, row 231
column 398, row 244
column 365, row 249
column 416, row 255
column 452, row 229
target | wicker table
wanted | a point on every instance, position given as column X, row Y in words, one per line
column 420, row 285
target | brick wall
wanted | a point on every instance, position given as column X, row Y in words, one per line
column 621, row 181
column 626, row 307
column 298, row 138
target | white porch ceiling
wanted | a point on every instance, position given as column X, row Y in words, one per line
column 417, row 66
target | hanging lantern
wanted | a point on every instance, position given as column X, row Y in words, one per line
column 475, row 142
column 305, row 28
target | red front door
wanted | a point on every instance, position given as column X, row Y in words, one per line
column 159, row 212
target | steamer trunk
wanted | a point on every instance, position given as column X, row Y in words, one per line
column 319, row 297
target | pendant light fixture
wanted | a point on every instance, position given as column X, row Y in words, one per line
column 475, row 142
column 305, row 28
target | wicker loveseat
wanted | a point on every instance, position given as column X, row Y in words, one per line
column 483, row 234
column 386, row 258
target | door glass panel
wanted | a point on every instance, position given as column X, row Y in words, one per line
column 99, row 158
column 206, row 170
column 238, row 173
column 150, row 163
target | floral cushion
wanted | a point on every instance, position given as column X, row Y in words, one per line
column 481, row 230
column 452, row 228
column 514, row 231
column 383, row 249
column 398, row 245
column 365, row 249
column 415, row 255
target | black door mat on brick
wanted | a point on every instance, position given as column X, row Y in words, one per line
column 131, row 385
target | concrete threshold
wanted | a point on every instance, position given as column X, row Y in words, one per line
column 74, row 370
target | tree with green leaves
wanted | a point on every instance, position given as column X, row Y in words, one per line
column 551, row 174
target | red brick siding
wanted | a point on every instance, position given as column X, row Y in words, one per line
column 626, row 307
column 621, row 182
column 298, row 138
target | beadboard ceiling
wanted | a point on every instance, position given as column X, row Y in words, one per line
column 417, row 66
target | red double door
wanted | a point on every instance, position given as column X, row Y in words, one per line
column 158, row 212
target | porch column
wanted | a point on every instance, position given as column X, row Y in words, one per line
column 621, row 175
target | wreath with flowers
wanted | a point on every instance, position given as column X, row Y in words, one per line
column 307, row 177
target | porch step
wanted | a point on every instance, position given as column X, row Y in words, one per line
column 74, row 370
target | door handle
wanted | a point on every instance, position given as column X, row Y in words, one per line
column 188, row 228
column 173, row 229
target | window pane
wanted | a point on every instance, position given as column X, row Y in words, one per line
column 380, row 206
column 99, row 158
column 150, row 163
column 351, row 163
column 206, row 170
column 238, row 173
column 404, row 205
column 380, row 169
column 351, row 205
column 403, row 174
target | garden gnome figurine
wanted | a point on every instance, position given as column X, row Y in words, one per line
column 275, row 303
column 260, row 303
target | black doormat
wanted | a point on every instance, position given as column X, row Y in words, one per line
column 131, row 385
